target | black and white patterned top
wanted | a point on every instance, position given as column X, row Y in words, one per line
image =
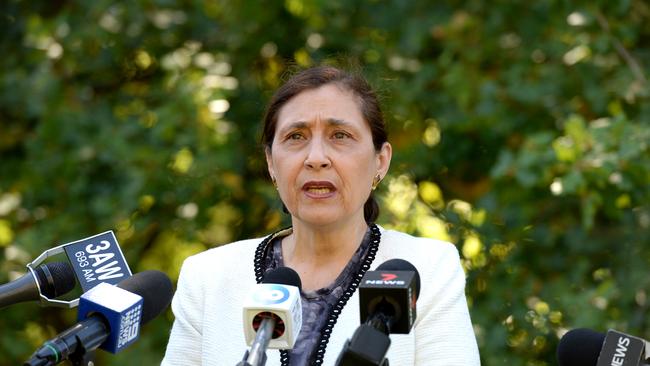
column 317, row 305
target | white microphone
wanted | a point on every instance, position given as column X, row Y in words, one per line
column 272, row 315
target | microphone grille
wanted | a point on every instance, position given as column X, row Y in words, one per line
column 283, row 276
column 580, row 347
column 55, row 278
column 402, row 265
column 155, row 288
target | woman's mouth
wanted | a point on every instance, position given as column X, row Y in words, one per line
column 319, row 189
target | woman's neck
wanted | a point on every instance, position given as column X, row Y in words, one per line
column 320, row 254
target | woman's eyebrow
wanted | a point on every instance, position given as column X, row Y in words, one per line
column 338, row 122
column 294, row 126
column 331, row 122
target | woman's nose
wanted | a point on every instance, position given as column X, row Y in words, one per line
column 317, row 157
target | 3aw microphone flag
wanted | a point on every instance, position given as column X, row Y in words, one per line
column 97, row 259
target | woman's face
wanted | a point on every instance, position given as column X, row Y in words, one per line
column 323, row 157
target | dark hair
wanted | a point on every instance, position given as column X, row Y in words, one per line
column 315, row 77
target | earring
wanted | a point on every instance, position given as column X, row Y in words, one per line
column 275, row 183
column 375, row 181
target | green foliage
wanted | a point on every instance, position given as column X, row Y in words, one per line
column 520, row 132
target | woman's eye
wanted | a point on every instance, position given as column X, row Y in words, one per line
column 295, row 136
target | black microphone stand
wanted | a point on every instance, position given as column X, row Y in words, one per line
column 83, row 359
column 367, row 347
column 369, row 343
column 77, row 359
column 76, row 344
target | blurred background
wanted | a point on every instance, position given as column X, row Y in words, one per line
column 520, row 131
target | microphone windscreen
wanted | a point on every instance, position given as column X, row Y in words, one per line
column 154, row 287
column 402, row 265
column 55, row 278
column 283, row 276
column 580, row 347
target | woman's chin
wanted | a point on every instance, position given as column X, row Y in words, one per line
column 321, row 217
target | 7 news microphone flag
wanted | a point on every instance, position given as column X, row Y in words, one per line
column 585, row 347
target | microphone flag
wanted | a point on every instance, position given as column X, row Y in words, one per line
column 620, row 349
column 395, row 287
column 280, row 301
column 97, row 259
column 121, row 309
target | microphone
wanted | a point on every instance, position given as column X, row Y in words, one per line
column 387, row 298
column 50, row 280
column 272, row 315
column 585, row 347
column 109, row 318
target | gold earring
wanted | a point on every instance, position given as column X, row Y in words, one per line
column 375, row 181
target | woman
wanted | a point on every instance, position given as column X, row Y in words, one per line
column 326, row 150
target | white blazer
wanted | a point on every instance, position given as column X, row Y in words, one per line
column 208, row 328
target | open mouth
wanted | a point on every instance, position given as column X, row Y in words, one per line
column 319, row 188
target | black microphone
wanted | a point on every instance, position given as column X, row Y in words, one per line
column 110, row 318
column 272, row 314
column 387, row 298
column 51, row 280
column 585, row 347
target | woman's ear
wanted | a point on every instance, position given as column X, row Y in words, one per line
column 269, row 162
column 383, row 159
